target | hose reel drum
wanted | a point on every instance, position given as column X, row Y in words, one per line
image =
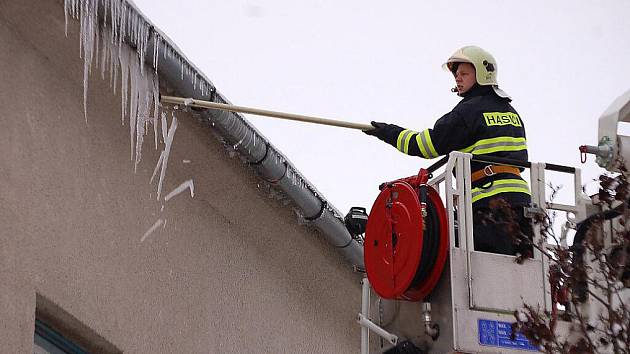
column 406, row 239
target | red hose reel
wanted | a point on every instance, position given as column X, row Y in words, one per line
column 406, row 240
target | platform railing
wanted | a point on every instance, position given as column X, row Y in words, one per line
column 450, row 176
column 458, row 170
column 454, row 184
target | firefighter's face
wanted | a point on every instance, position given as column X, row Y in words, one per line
column 465, row 77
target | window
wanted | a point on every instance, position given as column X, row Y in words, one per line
column 59, row 332
column 49, row 341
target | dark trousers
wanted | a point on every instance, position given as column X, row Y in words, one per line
column 503, row 230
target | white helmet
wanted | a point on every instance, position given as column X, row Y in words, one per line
column 486, row 67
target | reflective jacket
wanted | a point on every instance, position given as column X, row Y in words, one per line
column 482, row 123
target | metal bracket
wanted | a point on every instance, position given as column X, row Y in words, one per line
column 532, row 211
column 358, row 269
column 365, row 322
column 367, row 325
column 604, row 153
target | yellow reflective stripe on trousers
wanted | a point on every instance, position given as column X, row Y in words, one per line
column 500, row 186
column 502, row 143
column 404, row 138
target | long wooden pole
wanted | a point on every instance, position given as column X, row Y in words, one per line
column 262, row 112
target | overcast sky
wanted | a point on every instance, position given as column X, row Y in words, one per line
column 563, row 63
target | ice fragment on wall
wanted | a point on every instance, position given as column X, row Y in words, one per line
column 181, row 188
column 152, row 229
column 163, row 161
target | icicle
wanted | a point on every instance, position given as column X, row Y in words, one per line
column 96, row 45
column 133, row 102
column 182, row 187
column 141, row 34
column 150, row 92
column 140, row 87
column 122, row 24
column 94, row 11
column 89, row 36
column 105, row 3
column 81, row 31
column 143, row 114
column 156, row 50
column 138, row 90
column 115, row 13
column 114, row 63
column 65, row 13
column 104, row 51
column 123, row 56
column 156, row 107
column 114, row 19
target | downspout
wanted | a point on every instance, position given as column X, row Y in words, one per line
column 254, row 147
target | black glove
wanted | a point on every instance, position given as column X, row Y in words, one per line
column 378, row 131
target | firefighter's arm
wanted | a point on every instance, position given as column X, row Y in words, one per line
column 406, row 141
column 449, row 133
column 386, row 132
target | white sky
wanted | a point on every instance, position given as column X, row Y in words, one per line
column 563, row 62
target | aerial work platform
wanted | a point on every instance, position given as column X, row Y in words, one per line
column 480, row 295
column 472, row 307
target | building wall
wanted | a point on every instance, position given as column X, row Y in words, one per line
column 232, row 271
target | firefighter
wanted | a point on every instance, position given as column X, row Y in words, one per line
column 482, row 123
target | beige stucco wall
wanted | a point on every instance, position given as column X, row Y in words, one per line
column 232, row 272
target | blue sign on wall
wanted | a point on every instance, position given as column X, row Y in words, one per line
column 497, row 334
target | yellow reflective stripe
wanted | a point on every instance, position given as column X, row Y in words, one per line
column 423, row 139
column 493, row 141
column 500, row 186
column 423, row 150
column 502, row 143
column 407, row 138
column 504, row 181
column 499, row 148
column 498, row 191
column 400, row 138
column 427, row 137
